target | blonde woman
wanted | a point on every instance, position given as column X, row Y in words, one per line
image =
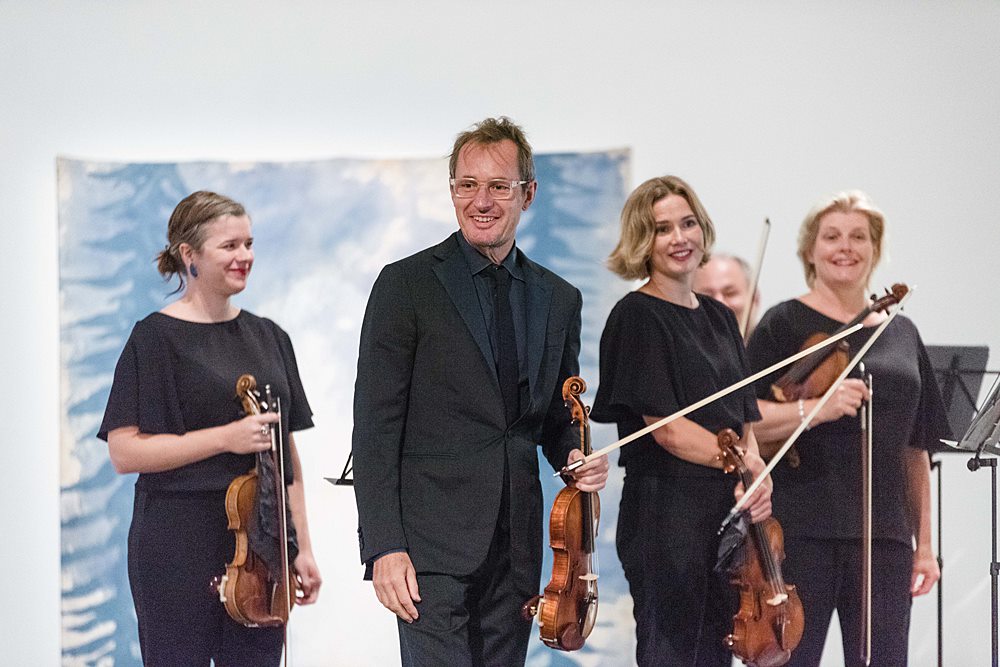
column 663, row 348
column 818, row 502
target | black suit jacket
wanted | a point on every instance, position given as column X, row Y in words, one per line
column 430, row 436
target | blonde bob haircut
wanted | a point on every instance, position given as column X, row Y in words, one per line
column 849, row 201
column 630, row 258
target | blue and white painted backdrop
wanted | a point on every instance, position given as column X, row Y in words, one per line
column 322, row 232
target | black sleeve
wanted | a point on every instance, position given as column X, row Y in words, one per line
column 932, row 419
column 750, row 411
column 766, row 348
column 385, row 370
column 300, row 417
column 636, row 356
column 143, row 393
column 557, row 439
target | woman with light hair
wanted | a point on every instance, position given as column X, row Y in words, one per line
column 818, row 501
column 663, row 348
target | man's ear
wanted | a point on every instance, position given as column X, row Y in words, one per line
column 529, row 195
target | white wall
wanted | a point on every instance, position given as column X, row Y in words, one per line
column 763, row 107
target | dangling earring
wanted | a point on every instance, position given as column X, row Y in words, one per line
column 193, row 271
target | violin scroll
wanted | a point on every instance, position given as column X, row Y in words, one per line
column 892, row 296
column 572, row 388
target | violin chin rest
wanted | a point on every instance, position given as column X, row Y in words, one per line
column 570, row 638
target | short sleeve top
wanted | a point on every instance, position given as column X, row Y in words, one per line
column 657, row 358
column 821, row 497
column 176, row 376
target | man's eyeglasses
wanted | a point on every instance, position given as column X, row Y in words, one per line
column 498, row 188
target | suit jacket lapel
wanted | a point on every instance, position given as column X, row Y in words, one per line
column 453, row 272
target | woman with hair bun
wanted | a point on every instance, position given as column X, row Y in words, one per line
column 173, row 417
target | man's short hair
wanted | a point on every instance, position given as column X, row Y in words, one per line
column 493, row 131
column 742, row 263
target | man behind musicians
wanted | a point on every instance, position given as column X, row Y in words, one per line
column 464, row 349
column 726, row 278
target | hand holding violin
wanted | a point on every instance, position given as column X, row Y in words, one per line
column 249, row 435
column 591, row 476
column 760, row 504
column 846, row 401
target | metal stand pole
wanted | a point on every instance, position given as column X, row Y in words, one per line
column 974, row 465
column 936, row 464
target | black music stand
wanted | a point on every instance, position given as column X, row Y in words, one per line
column 983, row 437
column 959, row 371
column 344, row 480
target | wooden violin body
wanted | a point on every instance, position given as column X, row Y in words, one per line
column 814, row 377
column 769, row 623
column 251, row 594
column 567, row 610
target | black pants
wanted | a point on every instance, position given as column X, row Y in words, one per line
column 827, row 574
column 667, row 544
column 473, row 620
column 176, row 544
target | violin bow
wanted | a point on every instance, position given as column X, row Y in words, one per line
column 738, row 507
column 755, row 278
column 705, row 401
column 867, row 422
column 278, row 457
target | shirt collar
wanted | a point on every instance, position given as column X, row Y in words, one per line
column 478, row 261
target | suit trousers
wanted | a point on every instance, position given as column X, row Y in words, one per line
column 472, row 620
column 177, row 542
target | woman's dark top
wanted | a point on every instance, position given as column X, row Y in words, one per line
column 176, row 376
column 822, row 497
column 657, row 358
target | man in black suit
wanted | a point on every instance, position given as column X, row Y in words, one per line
column 464, row 349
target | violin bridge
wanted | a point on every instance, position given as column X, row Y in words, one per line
column 778, row 599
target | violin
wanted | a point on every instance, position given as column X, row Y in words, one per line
column 567, row 611
column 769, row 623
column 252, row 595
column 812, row 376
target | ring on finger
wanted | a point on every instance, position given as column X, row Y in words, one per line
column 263, row 430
